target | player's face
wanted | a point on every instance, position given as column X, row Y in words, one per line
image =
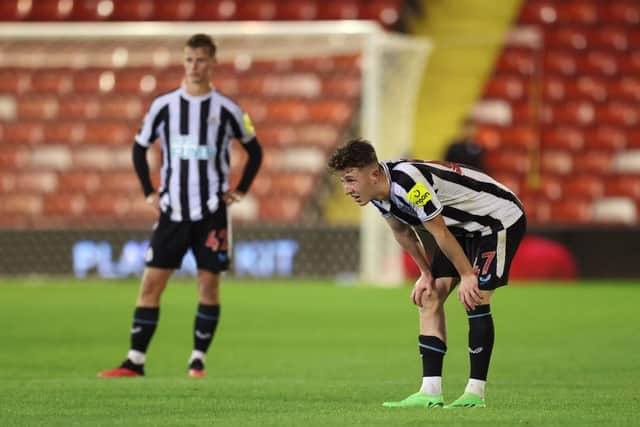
column 359, row 184
column 197, row 65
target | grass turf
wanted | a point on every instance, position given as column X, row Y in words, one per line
column 314, row 354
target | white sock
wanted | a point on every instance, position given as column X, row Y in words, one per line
column 432, row 386
column 476, row 387
column 136, row 357
column 196, row 354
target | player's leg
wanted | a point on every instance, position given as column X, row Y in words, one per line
column 166, row 250
column 210, row 245
column 432, row 347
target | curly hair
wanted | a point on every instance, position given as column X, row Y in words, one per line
column 356, row 153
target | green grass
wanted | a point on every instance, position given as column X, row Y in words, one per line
column 313, row 354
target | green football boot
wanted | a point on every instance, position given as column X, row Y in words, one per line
column 467, row 400
column 417, row 400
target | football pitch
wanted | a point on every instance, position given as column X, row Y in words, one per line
column 313, row 353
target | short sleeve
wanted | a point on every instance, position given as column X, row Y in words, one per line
column 416, row 191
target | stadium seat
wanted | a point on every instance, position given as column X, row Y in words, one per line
column 605, row 138
column 615, row 210
column 626, row 12
column 338, row 9
column 342, row 86
column 127, row 108
column 519, row 137
column 291, row 111
column 516, row 162
column 506, row 87
column 571, row 211
column 553, row 89
column 20, row 204
column 13, row 157
column 587, row 88
column 301, row 10
column 322, row 135
column 133, row 10
column 524, row 113
column 565, row 138
column 598, row 63
column 90, row 10
column 277, row 135
column 551, row 187
column 50, row 10
column 487, row 136
column 624, row 186
column 386, row 12
column 555, row 161
column 14, row 81
column 560, row 62
column 516, row 61
column 112, row 205
column 113, row 132
column 66, row 205
column 569, row 113
column 14, row 10
column 175, row 10
column 630, row 63
column 120, row 182
column 633, row 140
column 37, row 108
column 618, row 114
column 577, row 12
column 608, row 39
column 336, row 112
column 23, row 132
column 52, row 81
column 79, row 108
column 583, row 186
column 79, row 181
column 510, row 180
column 256, row 10
column 36, row 181
column 626, row 89
column 538, row 13
column 594, row 161
column 565, row 38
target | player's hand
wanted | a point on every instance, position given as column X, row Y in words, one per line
column 469, row 292
column 423, row 287
column 232, row 196
column 152, row 200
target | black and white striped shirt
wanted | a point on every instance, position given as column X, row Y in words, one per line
column 469, row 200
column 195, row 132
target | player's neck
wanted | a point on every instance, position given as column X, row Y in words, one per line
column 383, row 192
column 198, row 89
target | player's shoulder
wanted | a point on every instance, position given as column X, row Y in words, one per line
column 225, row 101
column 164, row 97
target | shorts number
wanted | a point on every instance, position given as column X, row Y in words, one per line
column 487, row 258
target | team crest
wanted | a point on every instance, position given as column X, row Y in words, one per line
column 419, row 195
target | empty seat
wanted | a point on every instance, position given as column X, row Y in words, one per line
column 90, row 10
column 618, row 114
column 132, row 10
column 297, row 184
column 14, row 10
column 507, row 87
column 50, row 10
column 583, row 186
column 12, row 157
column 633, row 140
column 560, row 62
column 615, row 210
column 569, row 113
column 122, row 182
column 300, row 10
column 577, row 12
column 556, row 161
column 519, row 137
column 336, row 112
column 79, row 108
column 256, row 10
column 338, row 9
column 322, row 135
column 553, row 89
column 599, row 63
column 66, row 205
column 516, row 61
column 550, row 187
column 587, row 88
column 387, row 12
column 621, row 12
column 342, row 86
column 175, row 10
column 284, row 209
column 20, row 204
column 630, row 63
column 625, row 89
column 624, row 186
column 109, row 133
column 126, row 108
column 112, row 205
column 15, row 80
column 524, row 113
column 37, row 108
column 79, row 181
column 594, row 161
column 36, row 181
column 605, row 138
column 571, row 211
column 488, row 137
column 538, row 13
column 570, row 38
column 608, row 38
column 52, row 80
column 288, row 111
column 511, row 161
column 23, row 132
column 565, row 138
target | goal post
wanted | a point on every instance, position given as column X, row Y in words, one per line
column 391, row 68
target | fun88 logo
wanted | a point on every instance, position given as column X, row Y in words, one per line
column 186, row 147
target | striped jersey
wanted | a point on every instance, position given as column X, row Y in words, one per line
column 470, row 201
column 195, row 133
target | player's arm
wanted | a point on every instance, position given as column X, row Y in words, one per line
column 409, row 241
column 141, row 165
column 468, row 291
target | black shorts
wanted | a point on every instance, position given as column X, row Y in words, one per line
column 489, row 255
column 207, row 238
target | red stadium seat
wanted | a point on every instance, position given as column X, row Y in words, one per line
column 215, row 10
column 560, row 62
column 567, row 38
column 507, row 87
column 625, row 89
column 605, row 138
column 550, row 187
column 22, row 132
column 524, row 113
column 127, row 108
column 511, row 181
column 285, row 209
column 132, row 10
column 342, row 86
column 63, row 205
column 16, row 81
column 624, row 186
column 123, row 182
column 583, row 186
column 630, row 63
column 297, row 184
column 618, row 114
column 52, row 80
column 565, row 138
column 387, row 12
column 571, row 211
column 516, row 61
column 20, row 204
column 336, row 112
column 79, row 181
column 488, row 137
column 338, row 9
column 553, row 89
column 538, row 13
column 577, row 12
column 109, row 133
column 13, row 157
column 14, row 10
column 278, row 135
column 556, row 162
column 511, row 161
column 608, row 38
column 79, row 108
column 300, row 10
column 290, row 111
column 50, row 10
column 89, row 10
column 592, row 161
column 112, row 205
column 256, row 10
column 323, row 135
column 621, row 12
column 569, row 113
column 598, row 63
column 633, row 138
column 175, row 10
column 587, row 88
column 519, row 137
column 88, row 80
column 36, row 181
column 37, row 108
column 64, row 132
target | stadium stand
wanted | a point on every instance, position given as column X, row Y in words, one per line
column 572, row 93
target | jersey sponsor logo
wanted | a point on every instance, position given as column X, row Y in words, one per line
column 185, row 147
column 248, row 124
column 419, row 195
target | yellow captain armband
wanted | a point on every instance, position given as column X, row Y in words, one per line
column 248, row 124
column 419, row 195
